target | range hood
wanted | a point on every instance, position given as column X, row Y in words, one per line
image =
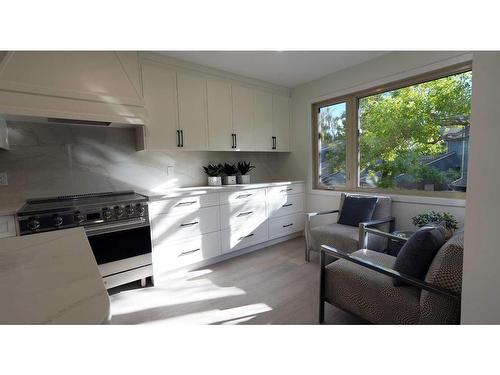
column 64, row 121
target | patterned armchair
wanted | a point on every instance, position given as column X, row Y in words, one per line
column 361, row 283
column 347, row 238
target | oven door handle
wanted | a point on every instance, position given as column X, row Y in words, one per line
column 113, row 227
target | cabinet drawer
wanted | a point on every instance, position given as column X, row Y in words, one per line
column 7, row 226
column 282, row 226
column 172, row 255
column 184, row 204
column 250, row 214
column 235, row 239
column 285, row 190
column 283, row 205
column 168, row 228
column 239, row 197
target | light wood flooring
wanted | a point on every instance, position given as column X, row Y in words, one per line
column 270, row 286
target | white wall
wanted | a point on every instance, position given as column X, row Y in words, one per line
column 481, row 284
column 387, row 68
column 47, row 160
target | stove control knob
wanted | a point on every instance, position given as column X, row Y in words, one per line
column 129, row 210
column 106, row 213
column 33, row 224
column 78, row 217
column 57, row 220
column 140, row 209
column 118, row 212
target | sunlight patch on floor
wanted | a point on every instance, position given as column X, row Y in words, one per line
column 231, row 316
column 170, row 291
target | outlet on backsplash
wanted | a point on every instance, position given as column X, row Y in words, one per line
column 3, row 179
column 170, row 170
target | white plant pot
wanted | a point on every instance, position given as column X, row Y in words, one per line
column 243, row 179
column 214, row 181
column 228, row 180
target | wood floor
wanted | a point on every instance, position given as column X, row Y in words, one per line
column 270, row 286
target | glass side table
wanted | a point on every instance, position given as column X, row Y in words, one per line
column 393, row 247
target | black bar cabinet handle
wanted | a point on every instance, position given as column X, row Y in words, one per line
column 242, row 238
column 189, row 224
column 189, row 252
column 178, row 138
column 182, row 138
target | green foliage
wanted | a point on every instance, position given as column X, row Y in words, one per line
column 399, row 127
column 332, row 122
column 229, row 169
column 245, row 167
column 435, row 217
column 213, row 170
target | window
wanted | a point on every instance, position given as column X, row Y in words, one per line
column 408, row 137
column 332, row 144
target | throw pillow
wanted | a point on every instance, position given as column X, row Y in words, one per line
column 416, row 255
column 356, row 210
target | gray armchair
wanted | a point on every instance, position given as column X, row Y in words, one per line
column 361, row 283
column 348, row 238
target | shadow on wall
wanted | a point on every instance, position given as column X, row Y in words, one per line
column 47, row 160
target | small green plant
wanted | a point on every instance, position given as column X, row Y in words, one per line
column 245, row 167
column 213, row 170
column 435, row 217
column 229, row 169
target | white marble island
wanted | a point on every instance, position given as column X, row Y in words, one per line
column 51, row 278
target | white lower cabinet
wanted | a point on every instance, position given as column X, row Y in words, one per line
column 243, row 196
column 239, row 238
column 285, row 225
column 248, row 214
column 193, row 228
column 285, row 205
column 175, row 227
column 7, row 226
column 171, row 255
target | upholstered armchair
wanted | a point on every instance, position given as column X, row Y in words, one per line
column 362, row 284
column 348, row 238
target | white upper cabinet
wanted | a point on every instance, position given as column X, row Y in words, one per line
column 263, row 115
column 220, row 116
column 192, row 104
column 281, row 123
column 243, row 118
column 160, row 96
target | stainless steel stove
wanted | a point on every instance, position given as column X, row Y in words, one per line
column 116, row 223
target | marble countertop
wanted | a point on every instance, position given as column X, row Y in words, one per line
column 51, row 278
column 198, row 190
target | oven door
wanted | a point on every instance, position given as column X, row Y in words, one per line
column 121, row 250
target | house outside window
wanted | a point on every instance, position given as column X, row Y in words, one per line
column 409, row 137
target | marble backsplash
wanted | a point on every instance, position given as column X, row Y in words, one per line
column 47, row 160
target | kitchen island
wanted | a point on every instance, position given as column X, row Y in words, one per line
column 51, row 278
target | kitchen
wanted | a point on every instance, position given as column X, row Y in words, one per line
column 114, row 142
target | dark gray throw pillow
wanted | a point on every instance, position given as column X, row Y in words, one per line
column 356, row 210
column 417, row 254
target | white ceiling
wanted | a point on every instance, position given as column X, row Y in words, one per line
column 287, row 69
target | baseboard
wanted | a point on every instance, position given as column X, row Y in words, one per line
column 234, row 254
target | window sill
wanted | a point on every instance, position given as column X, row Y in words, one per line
column 438, row 201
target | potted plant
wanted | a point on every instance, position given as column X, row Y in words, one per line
column 214, row 172
column 229, row 171
column 244, row 168
column 434, row 218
